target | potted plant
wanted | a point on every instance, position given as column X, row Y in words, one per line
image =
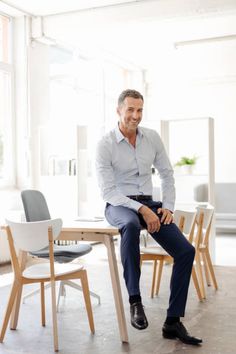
column 187, row 164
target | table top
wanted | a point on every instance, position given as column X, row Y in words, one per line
column 89, row 226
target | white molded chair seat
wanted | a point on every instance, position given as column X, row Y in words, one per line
column 42, row 270
column 154, row 250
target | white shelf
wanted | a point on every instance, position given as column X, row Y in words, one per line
column 196, row 139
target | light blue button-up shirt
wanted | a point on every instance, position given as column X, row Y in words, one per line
column 123, row 169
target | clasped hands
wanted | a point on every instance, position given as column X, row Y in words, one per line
column 153, row 221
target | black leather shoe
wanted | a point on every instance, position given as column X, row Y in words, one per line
column 177, row 330
column 138, row 318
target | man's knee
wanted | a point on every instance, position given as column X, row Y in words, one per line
column 130, row 234
column 191, row 251
column 132, row 227
column 187, row 254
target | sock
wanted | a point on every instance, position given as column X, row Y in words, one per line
column 171, row 320
column 134, row 298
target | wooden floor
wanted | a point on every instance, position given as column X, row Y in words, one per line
column 213, row 320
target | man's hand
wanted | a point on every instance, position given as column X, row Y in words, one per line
column 167, row 216
column 151, row 219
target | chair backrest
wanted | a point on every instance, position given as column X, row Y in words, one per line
column 35, row 205
column 188, row 222
column 204, row 220
column 207, row 212
column 33, row 236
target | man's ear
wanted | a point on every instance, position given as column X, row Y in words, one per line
column 118, row 111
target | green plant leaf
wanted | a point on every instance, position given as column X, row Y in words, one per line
column 184, row 160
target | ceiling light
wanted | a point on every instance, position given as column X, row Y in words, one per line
column 229, row 37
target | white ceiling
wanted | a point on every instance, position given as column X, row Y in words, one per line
column 143, row 32
column 166, row 8
column 137, row 30
column 50, row 7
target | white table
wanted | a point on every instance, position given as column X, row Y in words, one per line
column 102, row 232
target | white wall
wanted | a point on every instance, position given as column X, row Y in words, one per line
column 200, row 81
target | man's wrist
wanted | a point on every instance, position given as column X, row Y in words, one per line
column 142, row 209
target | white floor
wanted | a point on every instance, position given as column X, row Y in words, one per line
column 226, row 249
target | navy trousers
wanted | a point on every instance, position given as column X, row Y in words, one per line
column 169, row 237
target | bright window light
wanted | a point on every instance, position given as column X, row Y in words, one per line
column 6, row 122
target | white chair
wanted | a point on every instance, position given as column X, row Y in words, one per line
column 30, row 237
column 36, row 209
column 201, row 242
column 186, row 222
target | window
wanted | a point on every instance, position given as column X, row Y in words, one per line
column 4, row 39
column 6, row 73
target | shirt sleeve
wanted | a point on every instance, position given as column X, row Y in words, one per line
column 106, row 180
column 163, row 166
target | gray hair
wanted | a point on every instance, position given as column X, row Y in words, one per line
column 129, row 93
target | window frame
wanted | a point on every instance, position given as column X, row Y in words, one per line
column 9, row 177
column 5, row 38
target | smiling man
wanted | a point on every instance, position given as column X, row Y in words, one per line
column 124, row 160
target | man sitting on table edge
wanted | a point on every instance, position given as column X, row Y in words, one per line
column 124, row 159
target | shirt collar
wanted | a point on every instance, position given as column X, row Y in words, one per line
column 120, row 136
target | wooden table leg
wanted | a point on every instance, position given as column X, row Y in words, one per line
column 109, row 242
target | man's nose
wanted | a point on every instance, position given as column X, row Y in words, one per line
column 135, row 115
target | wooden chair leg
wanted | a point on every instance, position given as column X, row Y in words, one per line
column 200, row 275
column 159, row 274
column 11, row 301
column 42, row 295
column 205, row 264
column 141, row 262
column 54, row 315
column 153, row 277
column 16, row 308
column 196, row 284
column 211, row 269
column 84, row 283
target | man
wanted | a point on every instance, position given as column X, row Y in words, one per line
column 124, row 159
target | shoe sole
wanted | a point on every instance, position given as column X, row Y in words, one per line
column 172, row 336
column 140, row 328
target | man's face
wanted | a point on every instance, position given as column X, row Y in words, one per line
column 130, row 113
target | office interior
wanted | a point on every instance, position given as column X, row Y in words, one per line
column 62, row 66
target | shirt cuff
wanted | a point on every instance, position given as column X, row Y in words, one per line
column 168, row 206
column 133, row 204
